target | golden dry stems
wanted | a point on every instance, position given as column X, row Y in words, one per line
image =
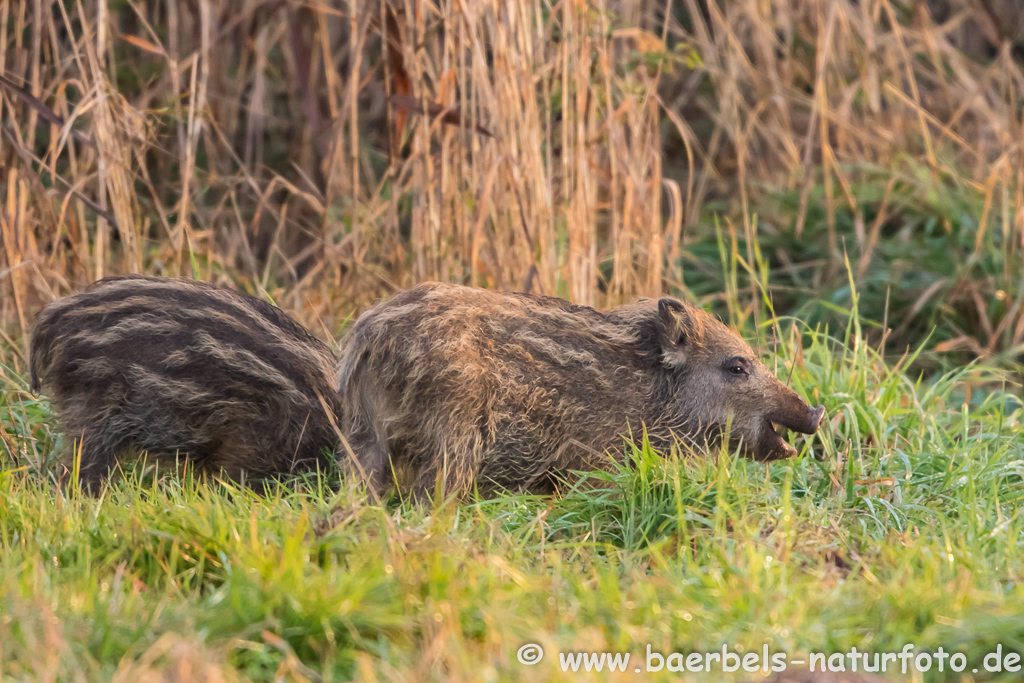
column 262, row 139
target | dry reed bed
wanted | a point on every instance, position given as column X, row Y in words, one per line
column 327, row 153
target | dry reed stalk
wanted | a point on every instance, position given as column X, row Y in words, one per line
column 266, row 138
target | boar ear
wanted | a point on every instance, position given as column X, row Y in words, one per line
column 675, row 329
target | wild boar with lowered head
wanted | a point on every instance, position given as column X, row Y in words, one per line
column 503, row 390
column 179, row 368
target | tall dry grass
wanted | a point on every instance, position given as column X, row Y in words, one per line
column 328, row 153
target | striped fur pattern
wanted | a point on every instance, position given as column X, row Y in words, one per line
column 174, row 368
column 501, row 390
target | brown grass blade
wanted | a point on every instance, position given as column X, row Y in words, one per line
column 48, row 114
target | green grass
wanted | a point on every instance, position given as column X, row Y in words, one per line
column 929, row 275
column 899, row 523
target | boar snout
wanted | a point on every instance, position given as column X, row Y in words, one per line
column 815, row 414
column 803, row 419
column 795, row 416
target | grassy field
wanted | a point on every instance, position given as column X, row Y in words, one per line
column 841, row 180
column 900, row 523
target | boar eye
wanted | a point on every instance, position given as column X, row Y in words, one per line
column 737, row 366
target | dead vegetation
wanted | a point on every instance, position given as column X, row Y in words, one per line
column 329, row 153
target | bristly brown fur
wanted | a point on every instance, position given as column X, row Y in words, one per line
column 179, row 368
column 489, row 389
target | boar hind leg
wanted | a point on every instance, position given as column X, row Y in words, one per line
column 365, row 455
column 363, row 451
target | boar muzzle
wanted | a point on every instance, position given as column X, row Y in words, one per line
column 773, row 445
column 810, row 421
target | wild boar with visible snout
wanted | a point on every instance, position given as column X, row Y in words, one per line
column 503, row 390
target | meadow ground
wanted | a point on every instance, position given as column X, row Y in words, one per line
column 841, row 180
column 900, row 523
